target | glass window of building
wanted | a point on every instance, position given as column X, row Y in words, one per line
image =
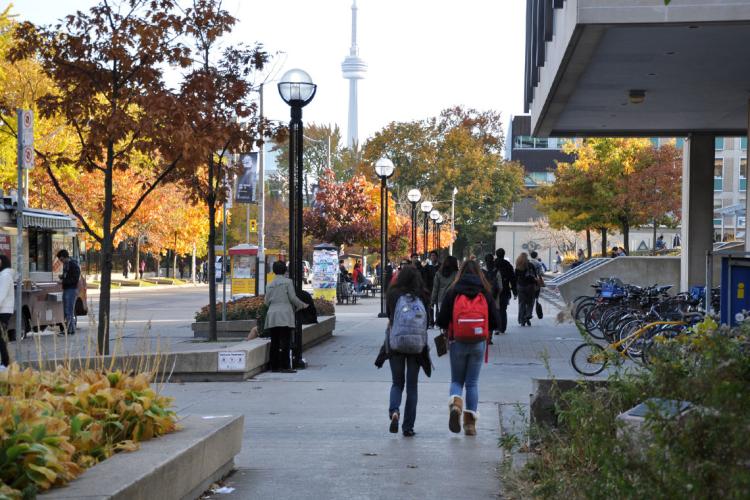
column 743, row 174
column 719, row 174
column 719, row 143
column 743, row 143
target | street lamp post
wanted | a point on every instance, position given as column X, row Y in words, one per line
column 439, row 223
column 426, row 206
column 414, row 196
column 434, row 215
column 453, row 217
column 383, row 168
column 297, row 90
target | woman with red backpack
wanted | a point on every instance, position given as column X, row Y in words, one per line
column 468, row 314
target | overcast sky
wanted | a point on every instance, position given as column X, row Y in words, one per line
column 423, row 55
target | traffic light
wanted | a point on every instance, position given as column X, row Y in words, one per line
column 253, row 226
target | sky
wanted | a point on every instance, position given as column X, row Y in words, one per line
column 423, row 55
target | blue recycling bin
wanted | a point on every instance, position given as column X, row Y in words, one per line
column 735, row 287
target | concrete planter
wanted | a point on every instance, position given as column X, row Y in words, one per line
column 234, row 329
column 176, row 466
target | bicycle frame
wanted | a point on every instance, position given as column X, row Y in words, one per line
column 630, row 339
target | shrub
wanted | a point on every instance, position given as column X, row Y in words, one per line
column 324, row 307
column 53, row 425
column 703, row 454
column 239, row 309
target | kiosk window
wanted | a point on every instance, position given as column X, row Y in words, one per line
column 40, row 250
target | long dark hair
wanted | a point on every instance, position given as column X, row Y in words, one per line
column 408, row 280
column 471, row 267
column 4, row 262
column 450, row 266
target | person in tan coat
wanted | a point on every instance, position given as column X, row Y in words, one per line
column 282, row 302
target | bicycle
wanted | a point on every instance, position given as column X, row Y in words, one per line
column 596, row 356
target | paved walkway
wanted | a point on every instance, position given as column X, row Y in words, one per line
column 323, row 432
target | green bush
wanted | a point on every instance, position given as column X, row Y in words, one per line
column 703, row 454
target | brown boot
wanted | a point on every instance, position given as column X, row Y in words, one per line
column 470, row 423
column 454, row 418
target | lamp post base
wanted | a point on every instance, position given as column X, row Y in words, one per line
column 382, row 315
column 300, row 364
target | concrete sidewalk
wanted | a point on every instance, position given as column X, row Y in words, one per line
column 323, row 432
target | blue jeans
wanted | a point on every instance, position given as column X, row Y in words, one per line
column 69, row 302
column 466, row 362
column 404, row 368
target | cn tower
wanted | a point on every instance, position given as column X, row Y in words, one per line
column 353, row 68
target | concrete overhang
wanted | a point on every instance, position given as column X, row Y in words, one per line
column 691, row 58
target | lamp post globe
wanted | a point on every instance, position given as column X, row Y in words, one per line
column 414, row 195
column 426, row 206
column 384, row 168
column 297, row 89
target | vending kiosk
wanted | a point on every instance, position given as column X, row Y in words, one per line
column 244, row 260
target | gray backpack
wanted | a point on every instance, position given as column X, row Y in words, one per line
column 408, row 333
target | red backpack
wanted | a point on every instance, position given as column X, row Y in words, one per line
column 470, row 322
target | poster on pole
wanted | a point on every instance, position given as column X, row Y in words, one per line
column 26, row 138
column 248, row 180
column 325, row 272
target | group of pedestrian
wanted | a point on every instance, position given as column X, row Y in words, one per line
column 128, row 267
column 468, row 305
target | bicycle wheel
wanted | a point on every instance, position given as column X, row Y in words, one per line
column 593, row 321
column 589, row 359
column 583, row 307
column 655, row 348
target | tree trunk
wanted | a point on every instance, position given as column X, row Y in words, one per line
column 626, row 236
column 137, row 263
column 603, row 230
column 211, row 265
column 105, row 259
column 653, row 241
column 174, row 259
column 588, row 242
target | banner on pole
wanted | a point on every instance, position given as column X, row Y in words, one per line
column 26, row 138
column 249, row 179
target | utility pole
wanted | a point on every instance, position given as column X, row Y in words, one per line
column 261, row 205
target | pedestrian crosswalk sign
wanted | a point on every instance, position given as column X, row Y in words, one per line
column 253, row 226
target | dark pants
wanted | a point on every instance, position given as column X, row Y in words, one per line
column 526, row 297
column 281, row 338
column 70, row 295
column 404, row 370
column 4, row 356
column 502, row 310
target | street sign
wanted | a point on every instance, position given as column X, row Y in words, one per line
column 26, row 138
column 253, row 226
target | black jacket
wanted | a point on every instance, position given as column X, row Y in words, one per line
column 469, row 285
column 526, row 278
column 428, row 275
column 71, row 274
column 509, row 277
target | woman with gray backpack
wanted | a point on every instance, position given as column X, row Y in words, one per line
column 406, row 344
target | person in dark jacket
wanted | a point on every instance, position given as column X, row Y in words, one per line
column 405, row 367
column 466, row 358
column 508, row 279
column 70, row 276
column 428, row 275
column 526, row 282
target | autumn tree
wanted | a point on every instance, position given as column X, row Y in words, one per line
column 215, row 94
column 342, row 212
column 460, row 148
column 106, row 66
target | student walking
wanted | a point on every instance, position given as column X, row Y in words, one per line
column 70, row 276
column 507, row 278
column 444, row 278
column 282, row 302
column 526, row 282
column 406, row 345
column 468, row 314
column 7, row 304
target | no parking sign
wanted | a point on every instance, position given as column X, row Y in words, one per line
column 26, row 138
